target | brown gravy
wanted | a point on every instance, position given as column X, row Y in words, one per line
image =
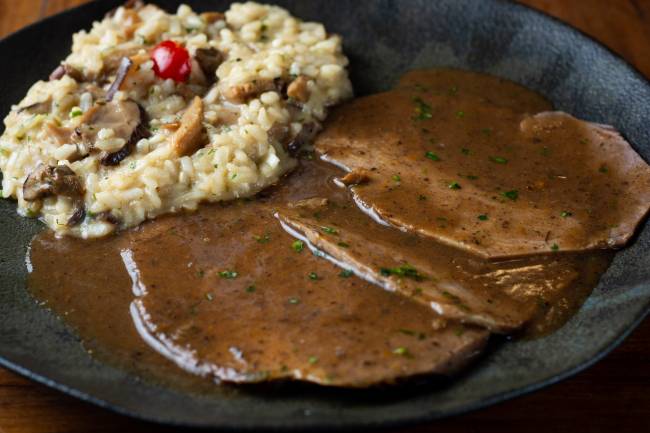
column 227, row 293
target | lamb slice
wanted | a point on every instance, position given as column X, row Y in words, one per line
column 502, row 297
column 488, row 179
column 239, row 304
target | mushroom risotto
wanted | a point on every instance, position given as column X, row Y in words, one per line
column 155, row 112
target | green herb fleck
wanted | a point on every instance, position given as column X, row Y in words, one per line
column 486, row 131
column 343, row 245
column 264, row 239
column 313, row 276
column 483, row 217
column 453, row 90
column 512, row 194
column 454, row 185
column 422, row 197
column 566, row 214
column 200, row 273
column 465, row 151
column 432, row 156
column 313, row 360
column 397, row 178
column 460, row 114
column 498, row 159
column 555, row 247
column 294, row 301
column 229, row 275
column 603, row 169
column 402, row 351
column 545, row 151
column 76, row 111
column 329, row 230
column 346, row 273
column 298, row 246
column 422, row 109
column 405, row 270
column 250, row 289
column 209, row 296
column 132, row 165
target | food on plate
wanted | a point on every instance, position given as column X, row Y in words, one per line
column 391, row 245
column 155, row 112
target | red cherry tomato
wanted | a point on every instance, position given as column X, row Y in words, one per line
column 171, row 60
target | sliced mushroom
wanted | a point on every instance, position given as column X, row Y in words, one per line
column 241, row 93
column 128, row 120
column 122, row 71
column 65, row 69
column 212, row 17
column 305, row 136
column 209, row 60
column 311, row 204
column 48, row 180
column 298, row 90
column 189, row 136
column 357, row 176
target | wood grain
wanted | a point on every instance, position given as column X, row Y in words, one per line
column 610, row 397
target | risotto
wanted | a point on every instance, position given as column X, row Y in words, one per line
column 155, row 112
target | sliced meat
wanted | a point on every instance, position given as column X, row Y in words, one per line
column 238, row 322
column 189, row 136
column 456, row 153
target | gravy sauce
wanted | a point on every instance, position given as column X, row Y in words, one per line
column 234, row 293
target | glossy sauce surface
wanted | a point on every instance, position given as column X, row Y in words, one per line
column 227, row 293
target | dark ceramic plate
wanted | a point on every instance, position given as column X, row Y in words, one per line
column 383, row 39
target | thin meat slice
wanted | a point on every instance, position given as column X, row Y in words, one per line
column 473, row 169
column 251, row 313
column 503, row 297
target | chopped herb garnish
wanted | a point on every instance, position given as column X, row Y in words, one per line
column 329, row 230
column 313, row 360
column 200, row 273
column 412, row 333
column 483, row 217
column 512, row 195
column 250, row 289
column 432, row 156
column 343, row 244
column 460, row 114
column 264, row 239
column 603, row 169
column 76, row 111
column 454, row 185
column 397, row 178
column 313, row 276
column 233, row 176
column 298, row 246
column 566, row 214
column 132, row 165
column 294, row 301
column 465, row 151
column 459, row 331
column 422, row 197
column 422, row 110
column 498, row 159
column 545, row 151
column 453, row 90
column 486, row 131
column 471, row 177
column 346, row 273
column 402, row 351
column 555, row 247
column 584, row 140
column 405, row 270
column 228, row 274
column 209, row 296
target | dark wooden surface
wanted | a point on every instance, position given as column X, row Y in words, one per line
column 613, row 396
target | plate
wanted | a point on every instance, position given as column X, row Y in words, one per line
column 383, row 39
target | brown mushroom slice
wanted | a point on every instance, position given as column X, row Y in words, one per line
column 188, row 138
column 47, row 180
column 126, row 118
column 209, row 60
column 238, row 322
column 558, row 183
column 120, row 75
column 298, row 90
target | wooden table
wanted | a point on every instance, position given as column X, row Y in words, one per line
column 613, row 396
